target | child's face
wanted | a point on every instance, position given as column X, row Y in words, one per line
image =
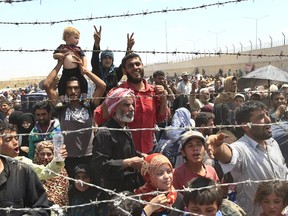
column 272, row 205
column 72, row 39
column 9, row 145
column 26, row 124
column 107, row 62
column 194, row 150
column 85, row 178
column 164, row 177
column 238, row 101
column 207, row 210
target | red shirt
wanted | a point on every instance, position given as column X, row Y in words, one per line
column 182, row 175
column 147, row 113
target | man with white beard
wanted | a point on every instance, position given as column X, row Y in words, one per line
column 115, row 162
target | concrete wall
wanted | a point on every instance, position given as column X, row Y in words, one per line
column 211, row 64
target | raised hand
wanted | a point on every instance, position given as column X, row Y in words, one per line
column 97, row 36
column 214, row 143
column 130, row 41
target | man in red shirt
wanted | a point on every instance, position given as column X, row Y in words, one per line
column 151, row 104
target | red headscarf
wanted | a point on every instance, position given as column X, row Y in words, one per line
column 149, row 172
column 115, row 97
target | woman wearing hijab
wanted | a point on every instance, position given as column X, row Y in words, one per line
column 157, row 172
column 56, row 187
column 26, row 124
column 81, row 193
column 170, row 141
column 228, row 94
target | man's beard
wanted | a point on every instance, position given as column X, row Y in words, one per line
column 135, row 80
column 124, row 117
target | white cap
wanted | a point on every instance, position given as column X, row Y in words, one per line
column 240, row 95
column 185, row 74
column 191, row 134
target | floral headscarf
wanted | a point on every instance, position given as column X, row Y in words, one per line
column 149, row 172
column 40, row 146
column 56, row 187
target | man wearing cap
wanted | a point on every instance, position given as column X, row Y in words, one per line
column 115, row 161
column 105, row 69
column 204, row 98
column 183, row 90
column 185, row 86
column 193, row 150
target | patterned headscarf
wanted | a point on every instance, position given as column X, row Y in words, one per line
column 56, row 187
column 40, row 146
column 149, row 172
column 116, row 97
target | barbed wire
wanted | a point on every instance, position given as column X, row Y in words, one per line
column 15, row 1
column 119, row 197
column 154, row 52
column 156, row 128
column 127, row 14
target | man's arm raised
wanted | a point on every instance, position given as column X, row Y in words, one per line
column 51, row 82
column 220, row 150
column 100, row 87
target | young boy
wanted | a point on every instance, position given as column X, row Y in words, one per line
column 69, row 53
column 20, row 188
column 193, row 151
column 206, row 201
column 238, row 100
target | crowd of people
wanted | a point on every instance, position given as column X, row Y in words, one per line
column 190, row 145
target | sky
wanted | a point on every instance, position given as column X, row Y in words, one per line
column 191, row 30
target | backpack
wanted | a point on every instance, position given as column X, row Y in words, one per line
column 170, row 145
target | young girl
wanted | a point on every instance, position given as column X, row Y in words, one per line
column 157, row 173
column 80, row 193
column 272, row 198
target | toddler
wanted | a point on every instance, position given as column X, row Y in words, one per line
column 70, row 53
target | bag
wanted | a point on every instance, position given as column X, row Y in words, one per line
column 229, row 208
column 170, row 147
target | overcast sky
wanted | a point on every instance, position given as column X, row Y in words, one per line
column 188, row 30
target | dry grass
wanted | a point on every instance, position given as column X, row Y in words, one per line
column 16, row 83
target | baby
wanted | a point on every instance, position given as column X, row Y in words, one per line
column 70, row 53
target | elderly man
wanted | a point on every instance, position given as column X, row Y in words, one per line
column 151, row 103
column 115, row 161
column 204, row 97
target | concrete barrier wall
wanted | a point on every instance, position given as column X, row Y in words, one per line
column 211, row 64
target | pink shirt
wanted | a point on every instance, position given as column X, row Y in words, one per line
column 182, row 175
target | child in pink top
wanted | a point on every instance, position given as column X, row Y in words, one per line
column 193, row 150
